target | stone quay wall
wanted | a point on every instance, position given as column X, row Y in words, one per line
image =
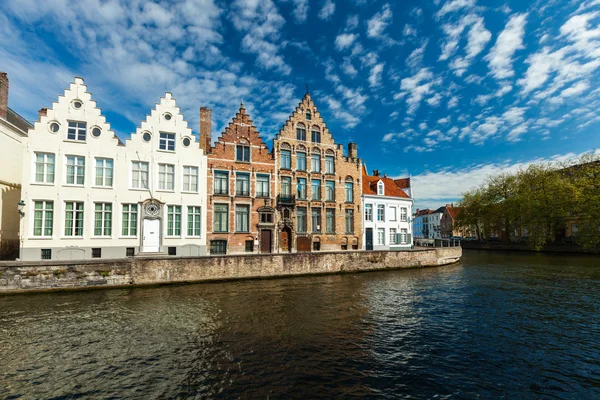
column 19, row 277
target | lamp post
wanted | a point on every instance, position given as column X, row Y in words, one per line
column 21, row 207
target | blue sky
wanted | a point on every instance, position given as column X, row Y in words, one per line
column 445, row 91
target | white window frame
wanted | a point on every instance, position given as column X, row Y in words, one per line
column 315, row 162
column 172, row 211
column 381, row 216
column 166, row 140
column 329, row 162
column 126, row 222
column 106, row 172
column 106, row 219
column 240, row 208
column 369, row 212
column 47, row 176
column 403, row 235
column 139, row 182
column 223, row 176
column 77, row 167
column 165, row 171
column 45, row 221
column 380, row 188
column 260, row 192
column 381, row 236
column 403, row 214
column 75, row 211
column 392, row 235
column 77, row 128
column 194, row 221
column 393, row 213
column 190, row 179
column 226, row 218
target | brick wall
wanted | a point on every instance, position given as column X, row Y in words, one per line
column 3, row 94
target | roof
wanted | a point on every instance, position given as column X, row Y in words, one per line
column 17, row 120
column 392, row 189
column 426, row 211
column 453, row 211
column 403, row 183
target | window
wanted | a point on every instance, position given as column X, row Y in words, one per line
column 242, row 184
column 190, row 179
column 392, row 216
column 266, row 218
column 301, row 161
column 349, row 221
column 380, row 236
column 329, row 165
column 167, row 141
column 308, row 116
column 76, row 131
column 193, row 221
column 129, row 251
column 104, row 172
column 316, row 189
column 44, row 168
column 241, row 218
column 393, row 236
column 316, row 220
column 316, row 246
column 315, row 163
column 301, row 219
column 218, row 247
column 349, row 189
column 172, row 251
column 315, row 136
column 166, row 177
column 330, row 190
column 262, row 185
column 300, row 132
column 130, row 220
column 574, row 229
column 221, row 182
column 102, row 219
column 220, row 215
column 369, row 212
column 96, row 253
column 75, row 170
column 242, row 153
column 330, row 220
column 381, row 212
column 186, row 142
column 380, row 189
column 139, row 175
column 301, row 189
column 43, row 218
column 73, row 218
column 249, row 247
column 46, row 254
column 403, row 213
column 403, row 235
column 286, row 187
column 173, row 220
column 286, row 159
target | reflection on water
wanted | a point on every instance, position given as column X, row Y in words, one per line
column 496, row 326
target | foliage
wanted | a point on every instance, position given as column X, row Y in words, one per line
column 538, row 204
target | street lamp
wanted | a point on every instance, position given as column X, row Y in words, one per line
column 21, row 207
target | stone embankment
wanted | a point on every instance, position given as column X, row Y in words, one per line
column 18, row 277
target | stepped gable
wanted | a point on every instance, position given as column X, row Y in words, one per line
column 241, row 129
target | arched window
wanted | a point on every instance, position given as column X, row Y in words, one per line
column 380, row 188
column 300, row 132
column 315, row 135
column 349, row 190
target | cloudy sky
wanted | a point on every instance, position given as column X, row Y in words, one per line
column 446, row 91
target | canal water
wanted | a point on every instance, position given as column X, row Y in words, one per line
column 498, row 325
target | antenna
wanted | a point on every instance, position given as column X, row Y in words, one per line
column 306, row 83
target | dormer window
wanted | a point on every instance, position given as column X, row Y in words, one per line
column 167, row 141
column 242, row 153
column 77, row 131
column 315, row 135
column 300, row 132
column 308, row 116
column 380, row 189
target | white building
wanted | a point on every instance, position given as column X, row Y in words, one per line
column 88, row 195
column 387, row 208
column 427, row 223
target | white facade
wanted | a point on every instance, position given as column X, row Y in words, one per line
column 428, row 226
column 387, row 220
column 89, row 196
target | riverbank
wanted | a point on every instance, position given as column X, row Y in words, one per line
column 560, row 248
column 20, row 276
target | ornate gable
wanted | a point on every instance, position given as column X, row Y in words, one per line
column 241, row 130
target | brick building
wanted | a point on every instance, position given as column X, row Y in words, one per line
column 241, row 187
column 318, row 187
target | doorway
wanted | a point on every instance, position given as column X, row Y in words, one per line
column 285, row 240
column 151, row 236
column 369, row 239
column 266, row 241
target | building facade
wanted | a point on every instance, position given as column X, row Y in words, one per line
column 387, row 210
column 13, row 132
column 89, row 195
column 448, row 227
column 318, row 187
column 241, row 182
column 427, row 223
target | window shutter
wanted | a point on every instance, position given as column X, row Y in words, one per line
column 398, row 238
column 408, row 238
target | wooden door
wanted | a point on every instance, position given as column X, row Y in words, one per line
column 369, row 239
column 302, row 243
column 265, row 241
column 285, row 239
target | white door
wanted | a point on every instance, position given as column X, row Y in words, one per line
column 151, row 241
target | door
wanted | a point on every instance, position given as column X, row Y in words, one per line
column 265, row 241
column 284, row 239
column 369, row 239
column 151, row 240
column 302, row 243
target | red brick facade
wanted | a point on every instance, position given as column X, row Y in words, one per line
column 241, row 190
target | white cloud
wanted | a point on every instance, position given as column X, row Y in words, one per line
column 350, row 120
column 417, row 87
column 576, row 89
column 514, row 115
column 379, row 22
column 415, row 58
column 345, row 40
column 422, row 126
column 477, row 39
column 409, row 31
column 516, row 133
column 300, row 10
column 454, row 5
column 327, row 10
column 348, row 68
column 375, row 75
column 443, row 120
column 508, row 42
column 434, row 101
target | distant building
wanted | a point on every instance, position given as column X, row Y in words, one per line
column 241, row 184
column 448, row 222
column 387, row 210
column 89, row 195
column 427, row 223
column 13, row 132
column 318, row 186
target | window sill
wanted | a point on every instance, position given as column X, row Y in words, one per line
column 220, row 232
column 166, row 151
column 139, row 189
column 72, row 237
column 100, row 237
column 39, row 238
column 102, row 187
column 73, row 185
column 127, row 237
column 221, row 194
column 165, row 190
column 189, row 192
column 74, row 141
column 246, row 232
column 243, row 162
column 42, row 184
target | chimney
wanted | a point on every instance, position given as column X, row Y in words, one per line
column 42, row 113
column 3, row 94
column 375, row 172
column 205, row 128
column 352, row 150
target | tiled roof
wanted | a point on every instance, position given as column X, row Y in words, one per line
column 426, row 211
column 453, row 211
column 392, row 189
column 17, row 120
column 403, row 183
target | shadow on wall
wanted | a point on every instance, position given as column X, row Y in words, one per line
column 9, row 223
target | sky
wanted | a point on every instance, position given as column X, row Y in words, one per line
column 447, row 92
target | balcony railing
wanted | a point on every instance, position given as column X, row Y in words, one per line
column 242, row 192
column 219, row 191
column 286, row 199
